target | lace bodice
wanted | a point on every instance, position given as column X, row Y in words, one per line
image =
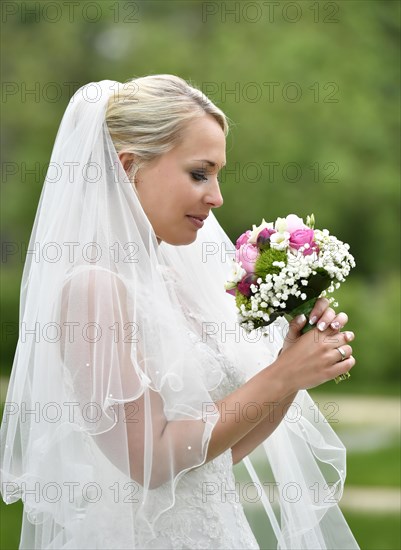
column 207, row 513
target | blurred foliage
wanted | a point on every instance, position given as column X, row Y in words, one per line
column 313, row 94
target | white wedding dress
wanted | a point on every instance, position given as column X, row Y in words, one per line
column 199, row 520
column 207, row 513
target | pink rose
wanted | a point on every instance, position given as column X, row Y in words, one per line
column 294, row 223
column 247, row 254
column 243, row 239
column 301, row 237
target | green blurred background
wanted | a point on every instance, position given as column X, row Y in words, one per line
column 312, row 90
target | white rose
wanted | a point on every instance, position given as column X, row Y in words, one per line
column 236, row 275
column 281, row 225
column 257, row 229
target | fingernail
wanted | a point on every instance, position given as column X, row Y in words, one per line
column 349, row 336
column 321, row 326
column 313, row 320
column 301, row 319
column 335, row 325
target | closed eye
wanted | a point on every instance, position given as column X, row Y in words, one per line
column 198, row 176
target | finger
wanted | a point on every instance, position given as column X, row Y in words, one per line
column 339, row 321
column 334, row 338
column 318, row 309
column 328, row 317
column 341, row 353
column 295, row 327
column 341, row 368
column 348, row 335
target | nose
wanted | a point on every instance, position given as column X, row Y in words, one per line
column 213, row 196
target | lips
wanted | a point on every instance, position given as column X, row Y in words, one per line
column 197, row 220
column 201, row 217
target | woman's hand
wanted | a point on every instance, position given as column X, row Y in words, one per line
column 314, row 358
column 321, row 315
column 321, row 348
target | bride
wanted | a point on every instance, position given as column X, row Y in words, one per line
column 133, row 391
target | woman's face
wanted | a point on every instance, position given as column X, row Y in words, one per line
column 178, row 189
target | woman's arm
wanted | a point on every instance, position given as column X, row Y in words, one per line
column 158, row 448
column 263, row 430
column 181, row 440
column 310, row 361
column 321, row 313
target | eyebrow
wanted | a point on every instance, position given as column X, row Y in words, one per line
column 209, row 162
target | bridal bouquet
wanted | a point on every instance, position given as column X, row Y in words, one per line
column 283, row 267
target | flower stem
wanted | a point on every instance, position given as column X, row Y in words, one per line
column 305, row 308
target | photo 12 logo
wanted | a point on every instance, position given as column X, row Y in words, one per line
column 252, row 492
column 53, row 252
column 273, row 91
column 70, row 11
column 273, row 172
column 83, row 492
column 270, row 12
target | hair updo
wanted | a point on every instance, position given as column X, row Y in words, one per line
column 147, row 116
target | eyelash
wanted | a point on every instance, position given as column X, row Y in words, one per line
column 198, row 176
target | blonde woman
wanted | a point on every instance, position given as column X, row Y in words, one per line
column 144, row 391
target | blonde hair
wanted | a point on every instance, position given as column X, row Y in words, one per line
column 147, row 116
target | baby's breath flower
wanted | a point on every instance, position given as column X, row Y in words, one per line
column 271, row 292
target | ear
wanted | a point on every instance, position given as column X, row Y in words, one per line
column 127, row 160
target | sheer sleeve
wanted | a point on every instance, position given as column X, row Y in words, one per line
column 100, row 347
column 122, row 401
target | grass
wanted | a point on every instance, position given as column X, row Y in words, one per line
column 372, row 531
column 10, row 525
column 374, row 468
column 375, row 531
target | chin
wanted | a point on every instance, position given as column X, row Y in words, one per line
column 179, row 241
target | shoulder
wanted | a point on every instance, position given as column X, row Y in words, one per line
column 93, row 275
column 94, row 284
